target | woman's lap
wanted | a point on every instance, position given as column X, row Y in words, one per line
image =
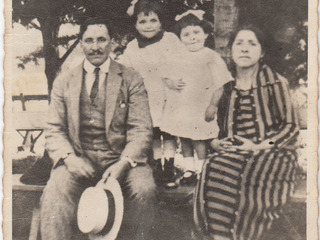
column 243, row 193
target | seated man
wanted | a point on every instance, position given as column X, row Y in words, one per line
column 98, row 125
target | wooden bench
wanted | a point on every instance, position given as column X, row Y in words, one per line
column 29, row 122
column 24, row 98
column 19, row 186
column 30, row 126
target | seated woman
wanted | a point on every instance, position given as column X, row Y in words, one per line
column 245, row 184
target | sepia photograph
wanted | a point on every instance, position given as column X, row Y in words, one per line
column 160, row 120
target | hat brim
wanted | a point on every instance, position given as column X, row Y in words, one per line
column 113, row 186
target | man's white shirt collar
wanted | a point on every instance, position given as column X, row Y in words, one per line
column 103, row 67
column 90, row 76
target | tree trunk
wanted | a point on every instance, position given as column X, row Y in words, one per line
column 226, row 19
column 49, row 27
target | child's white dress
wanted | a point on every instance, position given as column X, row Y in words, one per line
column 147, row 61
column 184, row 114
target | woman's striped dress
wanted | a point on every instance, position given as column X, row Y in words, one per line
column 241, row 193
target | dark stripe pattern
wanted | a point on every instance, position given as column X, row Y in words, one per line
column 241, row 193
column 245, row 115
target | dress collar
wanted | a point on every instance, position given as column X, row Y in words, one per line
column 143, row 42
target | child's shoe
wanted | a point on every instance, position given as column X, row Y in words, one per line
column 189, row 175
column 189, row 178
column 169, row 174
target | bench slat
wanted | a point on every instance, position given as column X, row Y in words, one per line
column 19, row 186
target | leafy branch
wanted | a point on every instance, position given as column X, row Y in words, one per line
column 31, row 57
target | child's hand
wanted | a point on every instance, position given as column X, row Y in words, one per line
column 175, row 84
column 210, row 113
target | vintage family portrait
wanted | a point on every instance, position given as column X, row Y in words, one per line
column 160, row 120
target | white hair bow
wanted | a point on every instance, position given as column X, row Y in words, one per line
column 130, row 10
column 198, row 13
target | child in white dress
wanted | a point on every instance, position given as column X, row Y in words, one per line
column 146, row 53
column 194, row 80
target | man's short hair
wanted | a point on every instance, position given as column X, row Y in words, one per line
column 95, row 21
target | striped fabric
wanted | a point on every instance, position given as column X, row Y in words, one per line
column 241, row 193
column 273, row 110
column 244, row 115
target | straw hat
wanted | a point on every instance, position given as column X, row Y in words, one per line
column 100, row 210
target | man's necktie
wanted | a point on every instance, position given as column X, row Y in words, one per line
column 95, row 86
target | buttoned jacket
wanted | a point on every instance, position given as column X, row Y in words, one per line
column 127, row 117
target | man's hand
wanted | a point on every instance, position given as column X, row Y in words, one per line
column 117, row 170
column 79, row 166
column 210, row 113
column 175, row 84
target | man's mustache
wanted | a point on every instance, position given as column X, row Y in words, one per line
column 97, row 52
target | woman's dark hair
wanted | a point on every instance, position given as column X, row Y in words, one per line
column 192, row 20
column 261, row 36
column 95, row 21
column 147, row 6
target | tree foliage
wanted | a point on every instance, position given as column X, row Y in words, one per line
column 285, row 22
column 47, row 16
column 289, row 51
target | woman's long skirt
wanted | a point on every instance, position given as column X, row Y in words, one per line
column 240, row 194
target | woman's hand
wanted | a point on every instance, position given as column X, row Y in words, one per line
column 248, row 145
column 221, row 145
column 210, row 113
column 175, row 84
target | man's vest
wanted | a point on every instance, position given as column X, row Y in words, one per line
column 92, row 119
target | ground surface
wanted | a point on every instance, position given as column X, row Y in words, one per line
column 176, row 215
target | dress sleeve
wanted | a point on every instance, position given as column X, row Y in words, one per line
column 172, row 45
column 172, row 53
column 289, row 129
column 219, row 71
